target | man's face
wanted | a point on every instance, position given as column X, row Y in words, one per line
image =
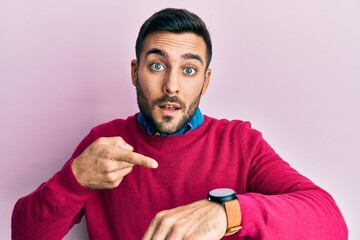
column 170, row 78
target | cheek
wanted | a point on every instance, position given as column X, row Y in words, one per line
column 192, row 90
column 149, row 86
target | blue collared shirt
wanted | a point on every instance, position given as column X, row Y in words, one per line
column 194, row 123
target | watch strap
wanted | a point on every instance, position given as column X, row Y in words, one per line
column 233, row 215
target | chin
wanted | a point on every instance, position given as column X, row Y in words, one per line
column 168, row 128
column 168, row 124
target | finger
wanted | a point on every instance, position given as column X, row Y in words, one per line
column 134, row 158
column 148, row 234
column 120, row 142
column 121, row 151
column 115, row 166
column 113, row 179
column 152, row 229
column 172, row 227
column 115, row 176
column 126, row 171
column 176, row 234
column 114, row 141
column 164, row 226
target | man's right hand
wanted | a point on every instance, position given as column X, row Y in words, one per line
column 105, row 163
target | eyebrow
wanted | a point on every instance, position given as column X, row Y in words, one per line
column 156, row 51
column 186, row 56
column 192, row 56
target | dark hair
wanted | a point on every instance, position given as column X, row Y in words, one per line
column 175, row 21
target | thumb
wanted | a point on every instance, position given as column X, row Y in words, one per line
column 120, row 142
column 127, row 146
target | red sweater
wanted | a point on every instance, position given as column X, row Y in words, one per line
column 276, row 201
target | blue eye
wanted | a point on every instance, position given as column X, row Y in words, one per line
column 157, row 67
column 189, row 71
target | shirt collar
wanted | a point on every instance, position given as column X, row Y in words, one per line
column 194, row 123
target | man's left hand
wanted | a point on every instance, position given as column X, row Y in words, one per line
column 199, row 220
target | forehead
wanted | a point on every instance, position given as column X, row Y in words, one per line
column 175, row 44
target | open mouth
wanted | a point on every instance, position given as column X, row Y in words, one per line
column 169, row 106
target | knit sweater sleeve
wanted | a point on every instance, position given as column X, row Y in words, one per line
column 54, row 207
column 280, row 203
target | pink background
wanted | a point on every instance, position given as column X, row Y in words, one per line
column 290, row 67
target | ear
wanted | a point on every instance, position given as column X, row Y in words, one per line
column 206, row 81
column 134, row 71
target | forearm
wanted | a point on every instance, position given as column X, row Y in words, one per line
column 51, row 210
column 308, row 214
column 280, row 203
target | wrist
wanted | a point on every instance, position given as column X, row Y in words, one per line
column 233, row 216
column 228, row 199
column 76, row 171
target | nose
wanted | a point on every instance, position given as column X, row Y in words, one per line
column 171, row 83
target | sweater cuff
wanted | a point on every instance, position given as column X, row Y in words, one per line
column 248, row 213
column 66, row 182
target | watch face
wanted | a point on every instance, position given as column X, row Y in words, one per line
column 221, row 192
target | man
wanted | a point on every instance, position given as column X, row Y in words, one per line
column 169, row 172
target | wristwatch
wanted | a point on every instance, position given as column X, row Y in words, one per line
column 227, row 197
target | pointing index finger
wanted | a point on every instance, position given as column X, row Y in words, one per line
column 139, row 159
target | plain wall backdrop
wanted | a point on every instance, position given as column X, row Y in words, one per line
column 292, row 68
